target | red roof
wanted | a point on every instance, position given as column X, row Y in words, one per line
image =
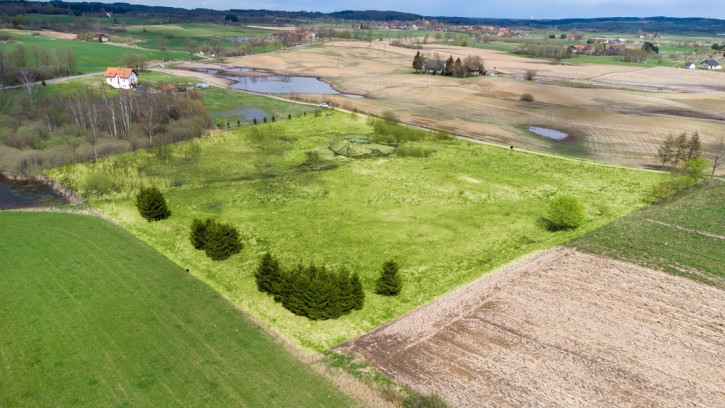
column 121, row 72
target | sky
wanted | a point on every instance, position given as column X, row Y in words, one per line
column 538, row 9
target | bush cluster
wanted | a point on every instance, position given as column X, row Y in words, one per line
column 151, row 204
column 311, row 291
column 387, row 132
column 218, row 240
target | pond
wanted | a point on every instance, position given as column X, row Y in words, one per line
column 16, row 194
column 277, row 84
column 244, row 114
column 549, row 133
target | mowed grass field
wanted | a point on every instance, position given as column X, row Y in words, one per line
column 642, row 238
column 617, row 114
column 90, row 56
column 91, row 316
column 447, row 219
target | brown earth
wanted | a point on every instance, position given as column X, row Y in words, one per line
column 624, row 122
column 562, row 329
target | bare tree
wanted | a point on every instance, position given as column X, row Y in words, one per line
column 162, row 43
column 26, row 78
column 717, row 155
column 191, row 46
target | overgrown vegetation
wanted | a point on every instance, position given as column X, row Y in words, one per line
column 565, row 212
column 40, row 130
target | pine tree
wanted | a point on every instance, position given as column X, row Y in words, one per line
column 418, row 62
column 267, row 274
column 222, row 241
column 694, row 148
column 389, row 283
column 296, row 285
column 357, row 291
column 458, row 68
column 198, row 231
column 346, row 297
column 151, row 204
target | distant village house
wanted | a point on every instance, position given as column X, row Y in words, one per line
column 121, row 78
column 690, row 65
column 101, row 37
column 710, row 64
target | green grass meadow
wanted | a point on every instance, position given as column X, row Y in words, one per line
column 90, row 56
column 447, row 219
column 635, row 239
column 91, row 316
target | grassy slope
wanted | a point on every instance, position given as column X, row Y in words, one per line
column 90, row 56
column 447, row 219
column 91, row 316
column 634, row 239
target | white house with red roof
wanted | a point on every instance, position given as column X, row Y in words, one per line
column 121, row 78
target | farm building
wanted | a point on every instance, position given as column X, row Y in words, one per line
column 435, row 65
column 101, row 37
column 121, row 78
column 710, row 64
column 690, row 65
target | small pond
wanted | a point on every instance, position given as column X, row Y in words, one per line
column 24, row 194
column 549, row 133
column 277, row 84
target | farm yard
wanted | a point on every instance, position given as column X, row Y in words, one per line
column 91, row 316
column 618, row 114
column 448, row 211
column 562, row 329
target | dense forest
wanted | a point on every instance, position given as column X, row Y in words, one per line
column 237, row 16
column 40, row 130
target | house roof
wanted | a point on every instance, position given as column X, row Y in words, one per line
column 121, row 72
column 711, row 63
column 99, row 35
column 689, row 63
column 437, row 64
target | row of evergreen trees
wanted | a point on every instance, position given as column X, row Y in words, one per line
column 680, row 150
column 219, row 240
column 312, row 291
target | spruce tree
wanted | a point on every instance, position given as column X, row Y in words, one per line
column 151, row 204
column 680, row 149
column 357, row 291
column 389, row 283
column 448, row 69
column 345, row 296
column 267, row 274
column 198, row 231
column 222, row 241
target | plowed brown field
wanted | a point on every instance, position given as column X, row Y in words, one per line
column 562, row 329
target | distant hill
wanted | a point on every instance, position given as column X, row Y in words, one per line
column 237, row 16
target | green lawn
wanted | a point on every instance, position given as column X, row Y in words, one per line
column 635, row 239
column 447, row 219
column 90, row 56
column 93, row 317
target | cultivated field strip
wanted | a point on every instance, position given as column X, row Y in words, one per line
column 562, row 329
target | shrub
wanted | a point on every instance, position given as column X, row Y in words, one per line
column 696, row 168
column 221, row 240
column 424, row 401
column 530, row 74
column 668, row 188
column 389, row 283
column 413, row 151
column 151, row 204
column 98, row 183
column 527, row 97
column 268, row 274
column 565, row 212
column 198, row 229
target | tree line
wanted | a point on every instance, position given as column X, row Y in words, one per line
column 688, row 155
column 22, row 64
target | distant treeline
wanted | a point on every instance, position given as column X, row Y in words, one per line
column 236, row 16
column 34, row 64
